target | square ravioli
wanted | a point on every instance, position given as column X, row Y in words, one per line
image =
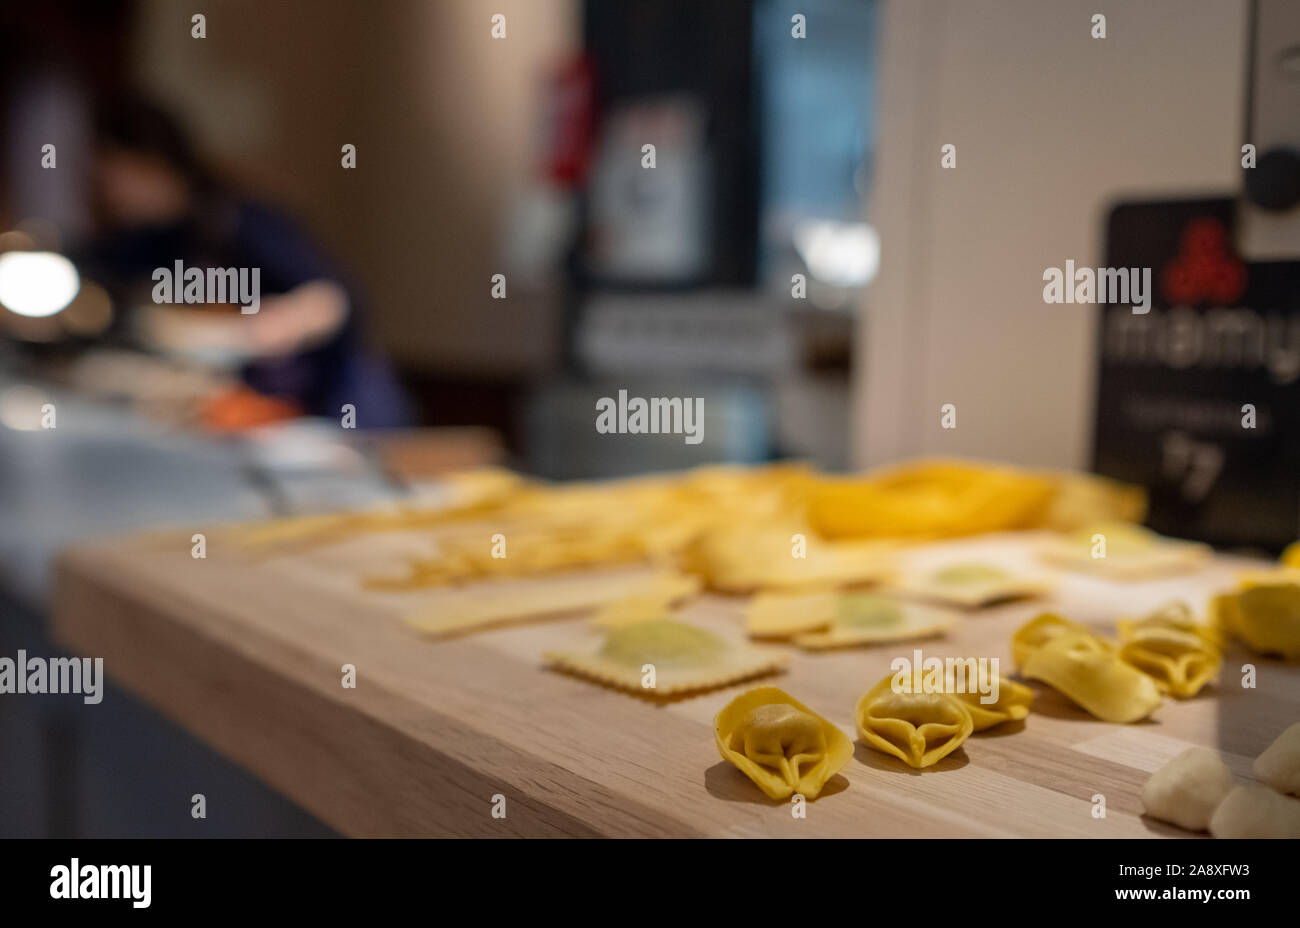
column 834, row 620
column 971, row 584
column 663, row 657
column 1120, row 551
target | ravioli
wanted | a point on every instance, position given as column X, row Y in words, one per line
column 1279, row 765
column 1088, row 671
column 1130, row 552
column 780, row 744
column 972, row 584
column 867, row 618
column 1186, row 791
column 919, row 729
column 682, row 658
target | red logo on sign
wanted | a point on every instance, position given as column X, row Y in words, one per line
column 1204, row 270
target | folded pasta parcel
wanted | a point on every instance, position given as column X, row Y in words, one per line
column 1171, row 648
column 1265, row 616
column 1012, row 704
column 780, row 744
column 919, row 729
column 664, row 657
column 1040, row 630
column 1087, row 670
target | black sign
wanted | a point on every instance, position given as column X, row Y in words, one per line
column 1199, row 397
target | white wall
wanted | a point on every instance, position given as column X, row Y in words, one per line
column 1051, row 128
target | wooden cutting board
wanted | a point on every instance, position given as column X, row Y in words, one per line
column 246, row 654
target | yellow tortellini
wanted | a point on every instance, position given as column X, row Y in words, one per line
column 918, row 728
column 1039, row 631
column 663, row 657
column 780, row 744
column 1169, row 646
column 1089, row 672
column 1266, row 617
column 1012, row 704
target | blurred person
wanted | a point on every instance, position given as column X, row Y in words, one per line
column 155, row 203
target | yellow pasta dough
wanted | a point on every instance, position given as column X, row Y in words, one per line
column 1088, row 671
column 918, row 728
column 780, row 744
column 673, row 656
column 1279, row 765
column 656, row 601
column 784, row 615
column 867, row 618
column 745, row 558
column 930, row 499
column 972, row 584
column 458, row 612
column 1121, row 551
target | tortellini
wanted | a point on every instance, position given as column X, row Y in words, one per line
column 663, row 657
column 1084, row 668
column 1265, row 616
column 1171, row 648
column 918, row 728
column 1012, row 704
column 1256, row 812
column 780, row 744
column 972, row 584
column 1039, row 631
column 1279, row 765
column 1186, row 791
